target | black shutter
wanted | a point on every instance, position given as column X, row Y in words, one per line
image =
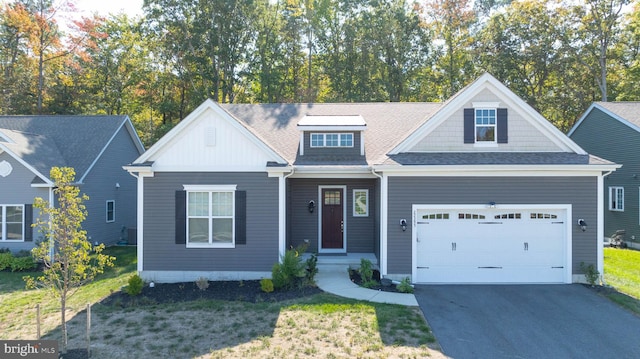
column 181, row 217
column 241, row 217
column 469, row 126
column 28, row 221
column 502, row 126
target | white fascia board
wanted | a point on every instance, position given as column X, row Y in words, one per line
column 25, row 164
column 497, row 170
column 143, row 170
column 331, row 128
column 278, row 171
column 584, row 115
column 208, row 168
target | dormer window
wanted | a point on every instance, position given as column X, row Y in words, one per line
column 485, row 124
column 332, row 140
column 485, row 120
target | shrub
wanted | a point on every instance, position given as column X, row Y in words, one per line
column 266, row 285
column 591, row 274
column 202, row 283
column 366, row 273
column 135, row 285
column 6, row 258
column 289, row 271
column 22, row 264
column 405, row 286
column 312, row 269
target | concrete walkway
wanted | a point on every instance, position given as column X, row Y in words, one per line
column 334, row 278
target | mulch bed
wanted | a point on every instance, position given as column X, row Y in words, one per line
column 246, row 291
column 357, row 279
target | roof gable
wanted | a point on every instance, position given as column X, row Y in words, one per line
column 42, row 142
column 627, row 113
column 210, row 139
column 530, row 132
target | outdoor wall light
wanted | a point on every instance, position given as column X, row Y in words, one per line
column 311, row 206
column 582, row 224
column 403, row 224
column 491, row 204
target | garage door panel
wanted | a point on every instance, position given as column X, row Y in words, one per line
column 491, row 246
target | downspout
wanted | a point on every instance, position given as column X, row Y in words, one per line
column 383, row 221
column 283, row 212
column 600, row 225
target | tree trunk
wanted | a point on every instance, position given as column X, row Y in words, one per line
column 63, row 325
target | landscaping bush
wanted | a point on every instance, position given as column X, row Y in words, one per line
column 19, row 262
column 22, row 264
column 591, row 274
column 312, row 269
column 366, row 273
column 266, row 285
column 135, row 285
column 202, row 283
column 289, row 271
column 405, row 286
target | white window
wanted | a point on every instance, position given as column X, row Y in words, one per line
column 210, row 216
column 360, row 202
column 111, row 211
column 616, row 199
column 485, row 120
column 332, row 140
column 11, row 222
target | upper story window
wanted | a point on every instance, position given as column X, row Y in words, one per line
column 616, row 199
column 111, row 211
column 332, row 140
column 485, row 120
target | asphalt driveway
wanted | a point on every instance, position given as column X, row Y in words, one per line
column 528, row 321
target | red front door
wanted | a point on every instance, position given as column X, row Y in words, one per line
column 332, row 218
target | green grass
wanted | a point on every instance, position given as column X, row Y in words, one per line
column 18, row 314
column 622, row 272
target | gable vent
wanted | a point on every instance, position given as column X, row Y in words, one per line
column 210, row 137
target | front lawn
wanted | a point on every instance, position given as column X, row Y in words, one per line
column 322, row 325
column 622, row 271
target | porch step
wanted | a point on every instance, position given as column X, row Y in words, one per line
column 350, row 259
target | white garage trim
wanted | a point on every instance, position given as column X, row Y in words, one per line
column 567, row 208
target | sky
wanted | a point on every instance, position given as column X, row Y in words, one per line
column 104, row 7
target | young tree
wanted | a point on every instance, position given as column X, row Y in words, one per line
column 75, row 261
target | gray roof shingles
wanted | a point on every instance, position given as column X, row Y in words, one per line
column 387, row 124
column 47, row 141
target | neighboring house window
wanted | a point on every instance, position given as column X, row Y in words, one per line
column 210, row 216
column 616, row 198
column 360, row 202
column 332, row 140
column 485, row 120
column 111, row 211
column 11, row 222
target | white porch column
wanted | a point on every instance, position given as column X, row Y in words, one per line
column 384, row 182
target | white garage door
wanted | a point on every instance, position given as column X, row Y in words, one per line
column 491, row 245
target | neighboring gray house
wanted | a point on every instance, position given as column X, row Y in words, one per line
column 612, row 130
column 95, row 146
column 479, row 189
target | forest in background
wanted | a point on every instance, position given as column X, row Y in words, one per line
column 558, row 55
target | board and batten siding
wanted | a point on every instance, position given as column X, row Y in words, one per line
column 16, row 189
column 579, row 192
column 161, row 253
column 100, row 186
column 605, row 137
column 301, row 225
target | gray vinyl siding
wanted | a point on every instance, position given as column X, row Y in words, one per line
column 361, row 231
column 160, row 250
column 605, row 137
column 579, row 192
column 332, row 151
column 100, row 186
column 16, row 189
